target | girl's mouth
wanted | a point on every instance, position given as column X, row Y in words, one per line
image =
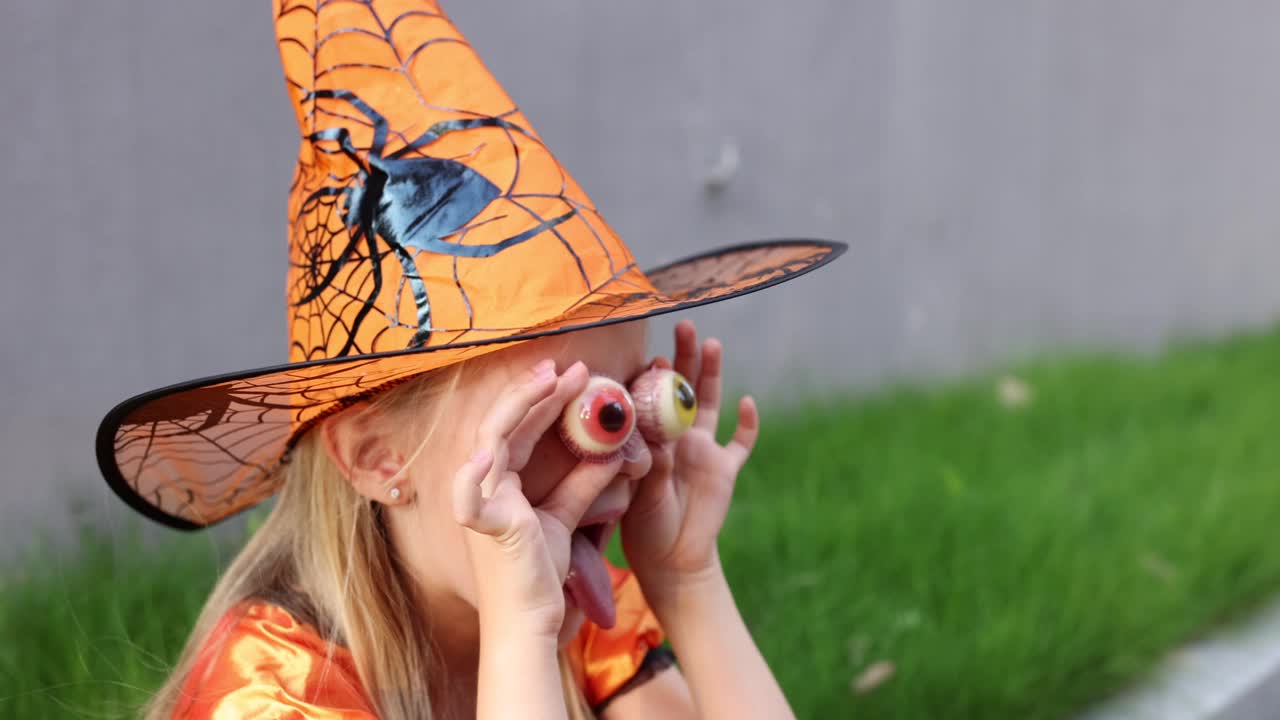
column 598, row 533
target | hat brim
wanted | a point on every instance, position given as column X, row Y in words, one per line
column 193, row 454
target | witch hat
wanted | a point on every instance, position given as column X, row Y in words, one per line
column 428, row 224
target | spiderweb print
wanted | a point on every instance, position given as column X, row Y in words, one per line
column 428, row 225
column 198, row 454
column 193, row 456
column 419, row 179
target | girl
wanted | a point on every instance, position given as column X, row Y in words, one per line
column 449, row 598
column 436, row 547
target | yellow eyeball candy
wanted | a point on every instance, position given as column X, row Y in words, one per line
column 596, row 425
column 665, row 405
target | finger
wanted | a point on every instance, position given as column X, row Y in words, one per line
column 545, row 414
column 504, row 481
column 515, row 402
column 660, row 362
column 654, row 485
column 636, row 456
column 686, row 358
column 505, row 515
column 709, row 386
column 512, row 405
column 744, row 437
column 468, row 504
column 575, row 493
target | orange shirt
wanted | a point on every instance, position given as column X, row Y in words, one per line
column 261, row 662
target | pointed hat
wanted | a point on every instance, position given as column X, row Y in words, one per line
column 428, row 224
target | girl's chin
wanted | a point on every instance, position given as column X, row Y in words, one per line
column 573, row 619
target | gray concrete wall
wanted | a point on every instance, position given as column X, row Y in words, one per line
column 1013, row 176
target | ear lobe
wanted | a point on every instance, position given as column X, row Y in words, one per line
column 364, row 455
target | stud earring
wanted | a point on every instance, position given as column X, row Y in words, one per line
column 395, row 493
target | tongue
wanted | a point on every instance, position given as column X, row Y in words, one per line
column 589, row 583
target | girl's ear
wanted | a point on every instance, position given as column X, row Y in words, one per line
column 364, row 454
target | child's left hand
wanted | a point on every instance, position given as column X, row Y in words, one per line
column 669, row 533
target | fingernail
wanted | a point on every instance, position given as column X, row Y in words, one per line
column 635, row 448
column 544, row 370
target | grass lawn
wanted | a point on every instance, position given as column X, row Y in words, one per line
column 980, row 560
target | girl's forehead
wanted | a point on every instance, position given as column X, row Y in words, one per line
column 614, row 350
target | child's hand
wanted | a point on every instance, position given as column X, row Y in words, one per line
column 520, row 553
column 669, row 533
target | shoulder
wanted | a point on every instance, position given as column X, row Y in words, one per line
column 262, row 661
column 609, row 661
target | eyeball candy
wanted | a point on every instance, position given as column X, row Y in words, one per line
column 597, row 424
column 665, row 405
column 602, row 423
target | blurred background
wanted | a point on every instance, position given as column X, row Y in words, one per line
column 1017, row 181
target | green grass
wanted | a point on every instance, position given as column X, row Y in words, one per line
column 89, row 636
column 1009, row 563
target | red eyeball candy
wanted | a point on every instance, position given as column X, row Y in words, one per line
column 597, row 424
column 665, row 405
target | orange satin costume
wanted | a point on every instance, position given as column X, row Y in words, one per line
column 260, row 662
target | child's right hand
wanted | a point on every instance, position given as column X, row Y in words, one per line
column 520, row 553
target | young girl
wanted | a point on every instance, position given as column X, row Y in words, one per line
column 452, row 442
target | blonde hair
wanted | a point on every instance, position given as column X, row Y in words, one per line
column 324, row 554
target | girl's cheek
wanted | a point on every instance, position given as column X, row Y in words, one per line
column 573, row 620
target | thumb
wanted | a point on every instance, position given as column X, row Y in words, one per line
column 575, row 493
column 653, row 487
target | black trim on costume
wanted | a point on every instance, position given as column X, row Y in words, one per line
column 655, row 661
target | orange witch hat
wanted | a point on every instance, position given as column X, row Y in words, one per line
column 428, row 224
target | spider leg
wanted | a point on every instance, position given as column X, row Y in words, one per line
column 436, row 245
column 419, row 290
column 341, row 136
column 361, row 231
column 379, row 122
column 444, row 127
column 215, row 414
